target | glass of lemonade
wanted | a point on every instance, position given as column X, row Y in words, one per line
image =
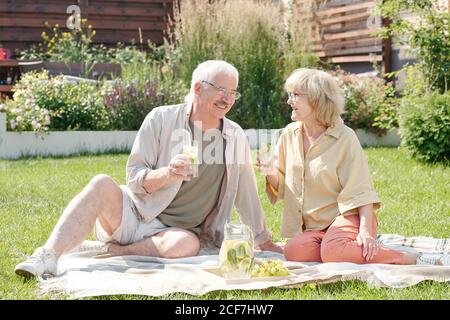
column 192, row 152
column 266, row 159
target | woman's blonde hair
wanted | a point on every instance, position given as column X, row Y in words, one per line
column 322, row 92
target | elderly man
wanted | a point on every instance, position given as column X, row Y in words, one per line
column 164, row 210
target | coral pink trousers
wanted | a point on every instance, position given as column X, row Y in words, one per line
column 337, row 243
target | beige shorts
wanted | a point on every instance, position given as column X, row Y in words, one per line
column 132, row 228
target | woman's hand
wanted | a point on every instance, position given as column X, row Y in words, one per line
column 369, row 244
column 266, row 163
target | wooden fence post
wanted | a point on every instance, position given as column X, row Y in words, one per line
column 387, row 52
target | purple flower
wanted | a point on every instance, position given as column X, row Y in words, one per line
column 13, row 124
column 111, row 100
column 150, row 90
column 132, row 89
column 117, row 88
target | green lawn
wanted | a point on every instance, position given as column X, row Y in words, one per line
column 34, row 192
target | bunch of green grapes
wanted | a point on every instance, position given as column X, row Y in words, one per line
column 270, row 268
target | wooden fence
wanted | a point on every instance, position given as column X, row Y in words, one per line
column 343, row 29
column 344, row 33
column 22, row 21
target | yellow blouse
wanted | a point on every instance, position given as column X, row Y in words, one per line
column 333, row 179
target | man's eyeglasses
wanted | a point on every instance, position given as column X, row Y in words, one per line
column 224, row 92
column 295, row 96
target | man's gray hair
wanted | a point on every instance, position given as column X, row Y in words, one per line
column 208, row 71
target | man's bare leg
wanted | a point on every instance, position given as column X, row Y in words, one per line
column 101, row 198
column 172, row 243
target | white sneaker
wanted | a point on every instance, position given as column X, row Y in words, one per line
column 42, row 261
column 433, row 259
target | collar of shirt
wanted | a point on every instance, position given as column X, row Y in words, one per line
column 334, row 131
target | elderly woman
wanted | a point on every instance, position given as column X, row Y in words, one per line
column 324, row 180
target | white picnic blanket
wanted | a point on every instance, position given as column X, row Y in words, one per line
column 83, row 274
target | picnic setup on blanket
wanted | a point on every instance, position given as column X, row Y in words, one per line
column 84, row 273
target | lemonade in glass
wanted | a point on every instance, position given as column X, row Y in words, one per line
column 266, row 159
column 191, row 151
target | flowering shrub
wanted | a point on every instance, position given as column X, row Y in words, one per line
column 77, row 45
column 76, row 106
column 23, row 112
column 370, row 103
column 41, row 103
column 73, row 46
column 128, row 102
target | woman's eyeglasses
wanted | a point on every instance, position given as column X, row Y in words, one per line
column 295, row 96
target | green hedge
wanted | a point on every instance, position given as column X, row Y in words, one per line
column 425, row 127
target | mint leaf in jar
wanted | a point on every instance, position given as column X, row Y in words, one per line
column 231, row 256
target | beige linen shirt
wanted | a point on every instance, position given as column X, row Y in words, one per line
column 162, row 135
column 333, row 179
